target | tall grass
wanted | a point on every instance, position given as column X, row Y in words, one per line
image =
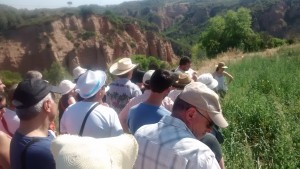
column 263, row 108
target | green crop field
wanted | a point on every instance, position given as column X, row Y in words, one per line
column 263, row 108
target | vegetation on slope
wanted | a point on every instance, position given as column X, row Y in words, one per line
column 263, row 108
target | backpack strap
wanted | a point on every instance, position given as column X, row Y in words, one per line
column 4, row 123
column 23, row 154
column 85, row 118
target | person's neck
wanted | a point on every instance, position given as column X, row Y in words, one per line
column 155, row 99
column 34, row 128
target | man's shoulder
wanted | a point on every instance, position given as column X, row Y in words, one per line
column 104, row 109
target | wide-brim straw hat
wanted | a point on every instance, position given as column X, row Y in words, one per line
column 121, row 67
column 66, row 86
column 74, row 152
column 183, row 80
column 221, row 65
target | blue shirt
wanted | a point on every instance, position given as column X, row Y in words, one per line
column 38, row 155
column 143, row 114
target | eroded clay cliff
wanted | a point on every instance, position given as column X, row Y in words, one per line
column 94, row 42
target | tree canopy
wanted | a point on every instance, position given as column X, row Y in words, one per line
column 233, row 30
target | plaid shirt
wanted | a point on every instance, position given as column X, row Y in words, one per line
column 169, row 144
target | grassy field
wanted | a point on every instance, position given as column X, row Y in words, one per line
column 263, row 108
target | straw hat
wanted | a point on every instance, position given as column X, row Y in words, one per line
column 66, row 86
column 183, row 80
column 74, row 152
column 90, row 83
column 221, row 65
column 77, row 71
column 208, row 80
column 123, row 66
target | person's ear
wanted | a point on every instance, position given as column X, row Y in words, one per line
column 190, row 114
column 47, row 105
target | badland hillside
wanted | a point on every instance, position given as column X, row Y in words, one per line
column 95, row 36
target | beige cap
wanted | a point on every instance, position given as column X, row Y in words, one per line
column 203, row 98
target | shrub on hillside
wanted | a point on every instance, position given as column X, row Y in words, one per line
column 149, row 62
column 9, row 78
column 86, row 35
column 56, row 73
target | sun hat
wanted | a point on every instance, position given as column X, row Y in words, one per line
column 205, row 99
column 90, row 83
column 123, row 66
column 208, row 80
column 66, row 86
column 77, row 71
column 31, row 91
column 183, row 80
column 74, row 152
column 147, row 76
column 221, row 65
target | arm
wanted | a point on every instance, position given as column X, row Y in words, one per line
column 229, row 76
column 71, row 100
column 4, row 150
column 221, row 163
column 123, row 117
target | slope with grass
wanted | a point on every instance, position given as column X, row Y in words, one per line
column 263, row 108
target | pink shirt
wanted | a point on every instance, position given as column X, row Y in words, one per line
column 12, row 121
column 123, row 115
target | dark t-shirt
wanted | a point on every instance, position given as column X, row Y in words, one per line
column 38, row 155
column 212, row 142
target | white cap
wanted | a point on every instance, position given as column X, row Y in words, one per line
column 147, row 76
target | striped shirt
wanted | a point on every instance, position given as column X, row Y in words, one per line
column 169, row 144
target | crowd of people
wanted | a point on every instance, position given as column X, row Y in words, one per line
column 162, row 119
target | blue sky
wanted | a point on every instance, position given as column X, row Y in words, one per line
column 32, row 4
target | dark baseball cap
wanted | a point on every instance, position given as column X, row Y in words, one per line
column 31, row 91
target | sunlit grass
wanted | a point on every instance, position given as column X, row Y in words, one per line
column 263, row 107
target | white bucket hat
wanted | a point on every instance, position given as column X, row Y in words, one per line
column 77, row 71
column 90, row 83
column 66, row 86
column 123, row 66
column 208, row 80
column 74, row 152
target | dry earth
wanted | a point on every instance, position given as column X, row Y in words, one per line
column 208, row 65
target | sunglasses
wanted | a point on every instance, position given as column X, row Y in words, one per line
column 210, row 123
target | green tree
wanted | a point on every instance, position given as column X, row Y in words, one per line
column 233, row 30
column 211, row 38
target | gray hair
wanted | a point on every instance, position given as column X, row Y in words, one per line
column 33, row 74
column 180, row 106
column 32, row 111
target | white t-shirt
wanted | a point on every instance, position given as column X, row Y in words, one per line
column 174, row 93
column 102, row 122
column 12, row 121
column 190, row 72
